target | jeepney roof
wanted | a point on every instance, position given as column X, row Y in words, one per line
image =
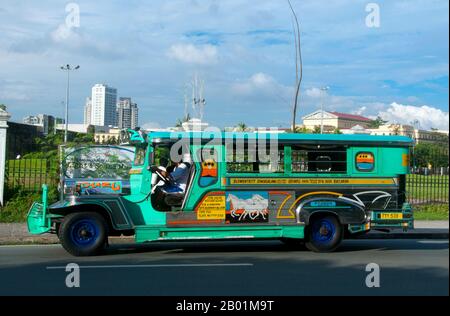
column 347, row 139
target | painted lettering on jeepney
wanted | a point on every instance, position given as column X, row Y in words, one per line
column 287, row 181
column 212, row 207
column 101, row 187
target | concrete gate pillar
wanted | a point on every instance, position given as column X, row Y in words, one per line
column 4, row 117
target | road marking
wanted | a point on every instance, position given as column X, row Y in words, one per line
column 178, row 265
column 29, row 245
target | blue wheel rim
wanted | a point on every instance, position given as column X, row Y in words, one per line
column 84, row 232
column 323, row 231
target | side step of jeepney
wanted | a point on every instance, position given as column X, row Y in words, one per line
column 151, row 233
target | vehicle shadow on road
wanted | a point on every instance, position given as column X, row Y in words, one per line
column 268, row 246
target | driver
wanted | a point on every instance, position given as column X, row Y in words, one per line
column 179, row 175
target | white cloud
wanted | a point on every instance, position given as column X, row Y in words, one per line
column 427, row 116
column 256, row 83
column 61, row 33
column 315, row 93
column 191, row 54
column 150, row 126
column 360, row 111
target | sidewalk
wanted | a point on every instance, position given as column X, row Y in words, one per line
column 17, row 233
column 422, row 230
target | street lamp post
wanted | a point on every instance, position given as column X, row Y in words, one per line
column 324, row 89
column 67, row 68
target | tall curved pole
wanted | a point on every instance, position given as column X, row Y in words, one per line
column 298, row 65
column 67, row 68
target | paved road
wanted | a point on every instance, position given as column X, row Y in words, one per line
column 408, row 267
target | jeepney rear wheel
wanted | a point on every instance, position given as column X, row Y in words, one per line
column 324, row 234
column 83, row 233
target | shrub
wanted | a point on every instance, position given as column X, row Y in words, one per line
column 16, row 208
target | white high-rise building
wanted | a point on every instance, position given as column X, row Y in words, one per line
column 127, row 113
column 87, row 111
column 103, row 111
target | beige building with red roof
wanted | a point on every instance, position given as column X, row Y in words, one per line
column 334, row 120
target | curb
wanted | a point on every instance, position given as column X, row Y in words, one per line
column 437, row 236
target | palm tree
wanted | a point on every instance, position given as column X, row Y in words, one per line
column 241, row 127
column 184, row 119
column 377, row 122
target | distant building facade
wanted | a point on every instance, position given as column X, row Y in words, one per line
column 419, row 135
column 334, row 120
column 46, row 122
column 194, row 125
column 127, row 113
column 103, row 105
column 107, row 135
column 87, row 111
column 75, row 128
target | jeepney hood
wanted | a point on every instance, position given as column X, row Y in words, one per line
column 60, row 204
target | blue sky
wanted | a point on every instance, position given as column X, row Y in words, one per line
column 243, row 50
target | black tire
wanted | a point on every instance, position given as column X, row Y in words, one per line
column 83, row 233
column 323, row 234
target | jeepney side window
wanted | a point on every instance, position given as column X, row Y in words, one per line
column 139, row 157
column 248, row 159
column 271, row 166
column 161, row 157
column 319, row 159
column 238, row 158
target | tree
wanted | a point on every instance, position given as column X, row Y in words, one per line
column 316, row 130
column 426, row 154
column 377, row 122
column 48, row 146
column 300, row 130
column 241, row 127
column 180, row 122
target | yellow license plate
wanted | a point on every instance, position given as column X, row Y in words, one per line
column 391, row 216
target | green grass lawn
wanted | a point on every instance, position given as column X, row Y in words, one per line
column 431, row 212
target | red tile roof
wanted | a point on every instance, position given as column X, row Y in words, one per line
column 351, row 116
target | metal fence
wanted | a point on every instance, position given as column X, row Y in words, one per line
column 28, row 175
column 428, row 182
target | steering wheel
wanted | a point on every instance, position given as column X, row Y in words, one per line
column 157, row 171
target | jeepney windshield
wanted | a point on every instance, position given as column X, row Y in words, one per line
column 97, row 162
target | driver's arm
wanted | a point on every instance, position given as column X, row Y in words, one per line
column 161, row 171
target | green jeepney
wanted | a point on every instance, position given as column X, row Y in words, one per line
column 316, row 189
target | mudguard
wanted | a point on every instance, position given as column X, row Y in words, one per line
column 113, row 205
column 346, row 211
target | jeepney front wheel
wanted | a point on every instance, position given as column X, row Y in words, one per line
column 83, row 233
column 323, row 234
